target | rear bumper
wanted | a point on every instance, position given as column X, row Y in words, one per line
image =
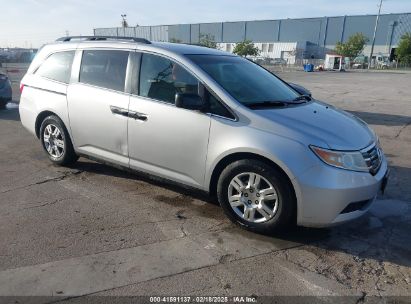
column 331, row 196
column 28, row 116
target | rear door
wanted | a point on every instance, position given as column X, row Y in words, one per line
column 98, row 105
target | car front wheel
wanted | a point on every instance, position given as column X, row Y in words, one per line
column 256, row 195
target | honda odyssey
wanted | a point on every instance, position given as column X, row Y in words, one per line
column 270, row 153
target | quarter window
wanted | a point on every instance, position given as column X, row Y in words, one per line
column 217, row 108
column 106, row 69
column 161, row 79
column 57, row 67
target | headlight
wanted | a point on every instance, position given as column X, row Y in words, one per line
column 345, row 160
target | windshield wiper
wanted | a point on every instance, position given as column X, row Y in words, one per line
column 266, row 104
column 304, row 98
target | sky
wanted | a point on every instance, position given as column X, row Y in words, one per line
column 31, row 23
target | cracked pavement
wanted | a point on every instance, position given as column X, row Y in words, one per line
column 92, row 230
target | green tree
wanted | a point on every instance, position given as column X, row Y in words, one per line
column 403, row 50
column 246, row 48
column 353, row 47
column 175, row 40
column 207, row 40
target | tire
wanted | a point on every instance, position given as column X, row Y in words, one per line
column 3, row 104
column 280, row 203
column 57, row 144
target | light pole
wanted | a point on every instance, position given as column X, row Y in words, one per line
column 124, row 21
column 375, row 33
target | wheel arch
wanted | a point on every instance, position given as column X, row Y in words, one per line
column 41, row 116
column 230, row 158
column 39, row 119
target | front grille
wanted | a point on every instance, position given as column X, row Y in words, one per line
column 372, row 158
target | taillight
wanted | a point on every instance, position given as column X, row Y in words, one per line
column 21, row 88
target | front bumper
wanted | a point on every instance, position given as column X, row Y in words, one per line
column 330, row 196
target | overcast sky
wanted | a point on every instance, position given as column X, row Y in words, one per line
column 26, row 23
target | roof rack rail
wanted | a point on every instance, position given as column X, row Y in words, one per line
column 103, row 38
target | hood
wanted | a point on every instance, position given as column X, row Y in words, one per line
column 320, row 122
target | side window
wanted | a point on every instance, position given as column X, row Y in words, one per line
column 57, row 67
column 217, row 108
column 106, row 69
column 161, row 79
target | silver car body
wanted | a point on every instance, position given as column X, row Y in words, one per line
column 187, row 146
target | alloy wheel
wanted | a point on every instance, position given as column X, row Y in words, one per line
column 252, row 197
column 53, row 141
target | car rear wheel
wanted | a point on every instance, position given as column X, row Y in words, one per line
column 56, row 141
column 256, row 196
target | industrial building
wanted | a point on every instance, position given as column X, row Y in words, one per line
column 289, row 39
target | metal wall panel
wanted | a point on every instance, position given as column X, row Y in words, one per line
column 385, row 29
column 355, row 24
column 159, row 33
column 301, row 30
column 326, row 31
column 129, row 32
column 212, row 29
column 121, row 32
column 233, row 31
column 403, row 26
column 143, row 32
column 334, row 30
column 262, row 31
column 195, row 33
column 105, row 31
column 323, row 31
column 179, row 33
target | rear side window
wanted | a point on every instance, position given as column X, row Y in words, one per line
column 161, row 79
column 106, row 69
column 57, row 67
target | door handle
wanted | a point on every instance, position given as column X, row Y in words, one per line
column 119, row 111
column 136, row 115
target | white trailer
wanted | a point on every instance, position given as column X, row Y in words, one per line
column 334, row 62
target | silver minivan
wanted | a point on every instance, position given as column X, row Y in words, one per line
column 270, row 153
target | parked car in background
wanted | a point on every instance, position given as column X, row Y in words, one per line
column 5, row 90
column 378, row 61
column 360, row 62
column 278, row 61
column 272, row 155
column 259, row 59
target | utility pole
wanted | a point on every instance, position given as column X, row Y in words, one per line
column 375, row 33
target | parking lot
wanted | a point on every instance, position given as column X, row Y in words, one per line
column 93, row 230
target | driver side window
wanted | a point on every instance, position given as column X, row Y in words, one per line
column 161, row 79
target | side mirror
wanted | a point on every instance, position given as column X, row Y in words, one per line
column 301, row 90
column 189, row 101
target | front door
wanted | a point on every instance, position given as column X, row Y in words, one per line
column 165, row 140
column 98, row 106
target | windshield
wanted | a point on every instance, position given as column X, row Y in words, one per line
column 247, row 82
